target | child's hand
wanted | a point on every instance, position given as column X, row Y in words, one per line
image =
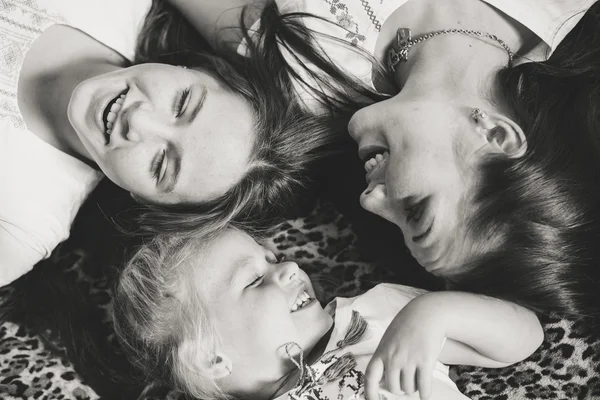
column 408, row 351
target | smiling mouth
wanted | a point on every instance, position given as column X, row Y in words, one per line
column 368, row 152
column 111, row 113
column 302, row 301
column 376, row 159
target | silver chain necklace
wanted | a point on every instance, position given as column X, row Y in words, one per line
column 404, row 42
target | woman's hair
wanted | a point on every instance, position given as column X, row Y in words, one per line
column 539, row 215
column 535, row 218
column 161, row 319
column 291, row 143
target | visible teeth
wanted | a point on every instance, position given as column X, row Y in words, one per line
column 116, row 106
column 300, row 301
column 371, row 163
column 114, row 112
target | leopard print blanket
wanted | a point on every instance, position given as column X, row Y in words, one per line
column 42, row 358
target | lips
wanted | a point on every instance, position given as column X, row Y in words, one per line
column 111, row 112
column 303, row 299
column 365, row 153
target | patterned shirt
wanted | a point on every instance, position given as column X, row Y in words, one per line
column 378, row 307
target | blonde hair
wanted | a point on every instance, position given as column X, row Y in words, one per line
column 161, row 318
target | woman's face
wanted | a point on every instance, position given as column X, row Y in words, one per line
column 420, row 161
column 164, row 133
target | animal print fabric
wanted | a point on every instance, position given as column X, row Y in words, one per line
column 37, row 363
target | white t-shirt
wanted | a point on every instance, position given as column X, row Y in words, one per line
column 42, row 187
column 378, row 307
column 550, row 20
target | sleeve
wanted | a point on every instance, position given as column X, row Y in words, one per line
column 384, row 302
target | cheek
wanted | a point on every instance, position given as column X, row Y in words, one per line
column 257, row 326
column 125, row 169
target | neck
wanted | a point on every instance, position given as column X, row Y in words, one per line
column 288, row 382
column 452, row 60
column 460, row 67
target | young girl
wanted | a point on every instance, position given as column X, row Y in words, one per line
column 225, row 317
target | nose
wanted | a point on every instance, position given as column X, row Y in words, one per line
column 365, row 121
column 140, row 124
column 287, row 273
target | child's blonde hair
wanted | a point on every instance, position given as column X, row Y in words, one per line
column 162, row 321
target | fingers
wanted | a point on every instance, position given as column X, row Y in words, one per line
column 373, row 376
column 407, row 379
column 424, row 382
column 392, row 380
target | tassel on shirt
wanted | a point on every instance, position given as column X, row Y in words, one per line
column 340, row 367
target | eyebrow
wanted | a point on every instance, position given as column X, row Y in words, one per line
column 175, row 174
column 199, row 104
column 240, row 265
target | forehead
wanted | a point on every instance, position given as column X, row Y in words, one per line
column 216, row 149
column 215, row 264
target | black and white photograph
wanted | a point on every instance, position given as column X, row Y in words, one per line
column 300, row 199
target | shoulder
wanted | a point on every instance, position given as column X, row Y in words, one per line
column 381, row 303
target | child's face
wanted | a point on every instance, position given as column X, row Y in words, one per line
column 253, row 300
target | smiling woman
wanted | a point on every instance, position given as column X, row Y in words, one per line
column 153, row 139
column 481, row 144
column 199, row 145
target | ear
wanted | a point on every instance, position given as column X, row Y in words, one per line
column 219, row 366
column 503, row 134
column 215, row 366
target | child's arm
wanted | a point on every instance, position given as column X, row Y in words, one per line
column 480, row 331
column 484, row 331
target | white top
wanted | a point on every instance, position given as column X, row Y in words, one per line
column 378, row 307
column 550, row 20
column 42, row 187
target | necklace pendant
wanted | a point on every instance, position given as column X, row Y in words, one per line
column 399, row 50
column 403, row 37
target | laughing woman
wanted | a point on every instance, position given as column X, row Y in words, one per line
column 485, row 151
column 72, row 110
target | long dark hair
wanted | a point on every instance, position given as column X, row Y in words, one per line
column 291, row 143
column 541, row 213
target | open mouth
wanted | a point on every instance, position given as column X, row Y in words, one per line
column 302, row 301
column 366, row 153
column 111, row 112
column 375, row 160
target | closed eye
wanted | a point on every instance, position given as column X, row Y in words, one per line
column 256, row 282
column 181, row 102
column 156, row 168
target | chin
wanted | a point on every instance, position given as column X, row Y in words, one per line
column 323, row 322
